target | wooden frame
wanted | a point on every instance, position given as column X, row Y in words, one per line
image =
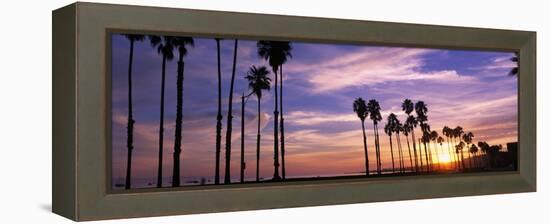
column 80, row 111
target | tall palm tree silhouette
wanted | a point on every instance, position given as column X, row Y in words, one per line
column 458, row 132
column 433, row 137
column 468, row 137
column 360, row 108
column 227, row 179
column 426, row 140
column 180, row 43
column 257, row 82
column 459, row 149
column 484, row 147
column 130, row 129
column 244, row 99
column 440, row 141
column 421, row 110
column 165, row 47
column 447, row 132
column 219, row 116
column 473, row 150
column 398, row 129
column 389, row 129
column 276, row 53
column 407, row 128
column 373, row 108
column 408, row 107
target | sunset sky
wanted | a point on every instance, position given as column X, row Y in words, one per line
column 323, row 135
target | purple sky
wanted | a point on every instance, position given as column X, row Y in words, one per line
column 323, row 135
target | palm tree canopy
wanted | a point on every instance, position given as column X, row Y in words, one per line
column 433, row 135
column 468, row 137
column 457, row 132
column 411, row 121
column 483, row 146
column 473, row 148
column 391, row 124
column 360, row 108
column 407, row 129
column 258, row 80
column 446, row 131
column 425, row 128
column 408, row 106
column 275, row 52
column 373, row 108
column 421, row 111
column 164, row 45
column 134, row 37
column 425, row 137
column 181, row 42
column 440, row 140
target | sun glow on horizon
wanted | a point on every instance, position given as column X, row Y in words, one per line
column 444, row 158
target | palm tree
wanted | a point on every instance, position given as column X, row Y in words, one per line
column 484, row 149
column 459, row 149
column 440, row 141
column 408, row 107
column 473, row 150
column 457, row 134
column 515, row 70
column 227, row 179
column 373, row 108
column 276, row 53
column 165, row 47
column 244, row 99
column 433, row 137
column 389, row 129
column 421, row 110
column 468, row 139
column 398, row 129
column 180, row 44
column 407, row 128
column 257, row 82
column 427, row 152
column 219, row 116
column 447, row 132
column 360, row 108
column 130, row 130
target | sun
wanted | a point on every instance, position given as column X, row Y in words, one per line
column 444, row 158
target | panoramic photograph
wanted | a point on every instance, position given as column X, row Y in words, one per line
column 191, row 111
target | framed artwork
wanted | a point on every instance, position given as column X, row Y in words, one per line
column 201, row 111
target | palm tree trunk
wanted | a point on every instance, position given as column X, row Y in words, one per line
column 392, row 161
column 365, row 146
column 410, row 155
column 179, row 117
column 378, row 150
column 227, row 179
column 276, row 133
column 450, row 153
column 427, row 155
column 242, row 139
column 258, row 146
column 415, row 154
column 130, row 129
column 161, row 128
column 420, row 154
column 399, row 152
column 218, row 118
column 283, row 170
column 462, row 159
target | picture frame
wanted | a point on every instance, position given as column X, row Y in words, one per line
column 81, row 115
